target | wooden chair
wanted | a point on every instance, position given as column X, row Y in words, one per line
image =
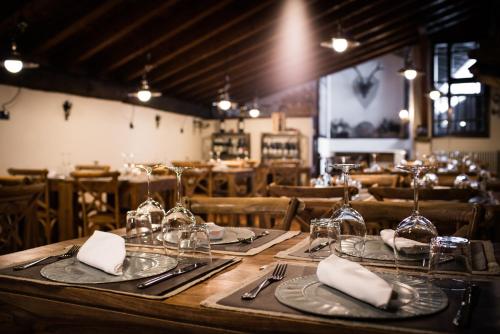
column 264, row 212
column 460, row 195
column 450, row 218
column 99, row 200
column 285, row 172
column 261, row 180
column 14, row 180
column 275, row 190
column 47, row 216
column 18, row 211
column 382, row 180
column 99, row 168
column 198, row 180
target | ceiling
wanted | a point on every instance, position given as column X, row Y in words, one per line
column 88, row 46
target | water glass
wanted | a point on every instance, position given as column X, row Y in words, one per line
column 138, row 227
column 324, row 233
column 450, row 255
column 194, row 241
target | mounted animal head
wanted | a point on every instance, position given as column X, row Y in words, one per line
column 364, row 85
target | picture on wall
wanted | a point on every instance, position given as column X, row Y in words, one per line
column 363, row 101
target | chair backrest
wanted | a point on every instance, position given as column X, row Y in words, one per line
column 265, row 212
column 460, row 195
column 198, row 179
column 285, row 174
column 14, row 180
column 382, row 180
column 98, row 195
column 100, row 168
column 275, row 190
column 18, row 205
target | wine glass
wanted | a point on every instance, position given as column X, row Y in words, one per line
column 352, row 225
column 375, row 167
column 177, row 219
column 150, row 206
column 462, row 181
column 414, row 233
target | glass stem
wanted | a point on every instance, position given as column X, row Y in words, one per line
column 415, row 193
column 179, row 185
column 346, row 187
column 149, row 181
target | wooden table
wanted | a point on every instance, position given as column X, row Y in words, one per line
column 233, row 176
column 32, row 306
column 133, row 191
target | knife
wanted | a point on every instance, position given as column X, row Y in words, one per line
column 318, row 247
column 170, row 274
column 462, row 318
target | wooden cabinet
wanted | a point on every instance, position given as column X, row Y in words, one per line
column 279, row 146
column 231, row 145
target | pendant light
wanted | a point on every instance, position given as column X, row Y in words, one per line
column 254, row 111
column 13, row 63
column 409, row 71
column 340, row 42
column 144, row 93
column 224, row 102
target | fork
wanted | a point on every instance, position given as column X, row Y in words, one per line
column 277, row 275
column 71, row 252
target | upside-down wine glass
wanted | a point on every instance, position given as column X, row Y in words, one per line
column 150, row 206
column 352, row 225
column 462, row 181
column 413, row 234
column 177, row 219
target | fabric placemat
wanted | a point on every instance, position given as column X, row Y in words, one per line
column 239, row 249
column 484, row 315
column 483, row 256
column 161, row 290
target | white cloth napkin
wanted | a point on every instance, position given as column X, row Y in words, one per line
column 104, row 251
column 353, row 279
column 406, row 245
column 215, row 232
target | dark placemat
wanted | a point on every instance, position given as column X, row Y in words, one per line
column 161, row 290
column 484, row 316
column 478, row 254
column 232, row 248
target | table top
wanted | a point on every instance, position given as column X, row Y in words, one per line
column 180, row 312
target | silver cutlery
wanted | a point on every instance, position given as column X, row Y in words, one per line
column 318, row 247
column 252, row 239
column 170, row 274
column 277, row 275
column 70, row 253
column 462, row 318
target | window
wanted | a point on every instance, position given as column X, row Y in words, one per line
column 460, row 111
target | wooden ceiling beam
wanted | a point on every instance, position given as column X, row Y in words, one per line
column 260, row 47
column 76, row 26
column 256, row 43
column 202, row 38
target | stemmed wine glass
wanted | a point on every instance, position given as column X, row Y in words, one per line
column 178, row 219
column 150, row 206
column 375, row 167
column 352, row 225
column 462, row 181
column 414, row 233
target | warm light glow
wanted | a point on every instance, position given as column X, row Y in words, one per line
column 339, row 44
column 404, row 114
column 144, row 95
column 434, row 95
column 13, row 65
column 224, row 105
column 444, row 123
column 254, row 112
column 462, row 124
column 410, row 74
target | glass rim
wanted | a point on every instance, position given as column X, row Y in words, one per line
column 450, row 240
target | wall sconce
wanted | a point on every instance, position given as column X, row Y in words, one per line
column 67, row 109
column 157, row 121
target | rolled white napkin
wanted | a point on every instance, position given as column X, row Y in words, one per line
column 406, row 245
column 104, row 251
column 353, row 279
column 215, row 232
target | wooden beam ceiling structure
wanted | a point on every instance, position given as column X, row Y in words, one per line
column 100, row 48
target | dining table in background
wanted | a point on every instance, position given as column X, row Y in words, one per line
column 56, row 308
column 133, row 191
column 235, row 177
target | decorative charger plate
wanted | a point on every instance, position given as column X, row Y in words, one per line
column 415, row 297
column 231, row 235
column 136, row 265
column 375, row 249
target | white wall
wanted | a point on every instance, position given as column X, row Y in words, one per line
column 37, row 134
column 264, row 125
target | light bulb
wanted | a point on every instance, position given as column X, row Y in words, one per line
column 404, row 114
column 339, row 44
column 410, row 74
column 434, row 94
column 224, row 104
column 462, row 124
column 144, row 95
column 13, row 65
column 254, row 112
